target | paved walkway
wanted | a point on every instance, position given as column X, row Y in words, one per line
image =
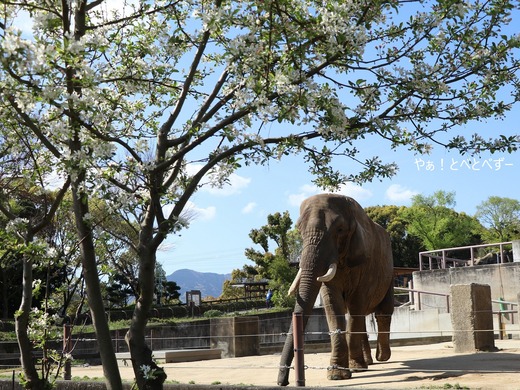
column 433, row 366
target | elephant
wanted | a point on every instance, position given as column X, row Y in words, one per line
column 347, row 258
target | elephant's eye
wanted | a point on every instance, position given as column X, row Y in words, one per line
column 341, row 232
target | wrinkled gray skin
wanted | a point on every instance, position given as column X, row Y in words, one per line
column 336, row 230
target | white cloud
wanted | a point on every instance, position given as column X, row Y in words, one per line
column 195, row 213
column 249, row 208
column 205, row 214
column 305, row 191
column 354, row 191
column 235, row 185
column 398, row 193
column 348, row 189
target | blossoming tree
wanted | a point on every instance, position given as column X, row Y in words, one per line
column 143, row 102
column 27, row 208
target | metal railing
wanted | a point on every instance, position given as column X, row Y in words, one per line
column 506, row 307
column 503, row 314
column 438, row 259
column 417, row 303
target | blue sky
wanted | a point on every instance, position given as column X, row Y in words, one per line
column 218, row 233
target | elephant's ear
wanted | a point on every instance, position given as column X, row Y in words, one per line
column 343, row 248
column 299, row 224
column 304, row 217
column 356, row 251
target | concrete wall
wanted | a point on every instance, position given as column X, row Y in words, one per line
column 516, row 251
column 235, row 336
column 416, row 324
column 504, row 280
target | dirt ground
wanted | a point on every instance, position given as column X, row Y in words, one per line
column 433, row 366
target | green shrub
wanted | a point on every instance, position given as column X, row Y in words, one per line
column 213, row 313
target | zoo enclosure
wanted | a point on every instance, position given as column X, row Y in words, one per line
column 268, row 331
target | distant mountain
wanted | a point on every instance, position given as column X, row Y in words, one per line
column 209, row 284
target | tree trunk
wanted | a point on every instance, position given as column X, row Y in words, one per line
column 147, row 373
column 94, row 296
column 21, row 324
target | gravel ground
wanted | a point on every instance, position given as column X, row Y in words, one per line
column 433, row 366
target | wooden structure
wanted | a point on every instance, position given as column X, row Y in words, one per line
column 253, row 288
column 402, row 275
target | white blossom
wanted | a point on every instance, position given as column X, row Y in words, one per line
column 17, row 225
column 36, row 283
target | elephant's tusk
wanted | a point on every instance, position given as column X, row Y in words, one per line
column 331, row 272
column 295, row 283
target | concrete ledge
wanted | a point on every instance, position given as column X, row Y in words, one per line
column 175, row 356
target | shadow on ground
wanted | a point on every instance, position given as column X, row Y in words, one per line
column 439, row 369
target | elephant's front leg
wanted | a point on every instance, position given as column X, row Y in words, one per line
column 358, row 342
column 335, row 312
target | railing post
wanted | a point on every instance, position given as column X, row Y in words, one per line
column 299, row 365
column 411, row 294
column 518, row 307
column 501, row 326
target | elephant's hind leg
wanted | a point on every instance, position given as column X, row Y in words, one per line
column 384, row 318
column 383, row 352
column 367, row 354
